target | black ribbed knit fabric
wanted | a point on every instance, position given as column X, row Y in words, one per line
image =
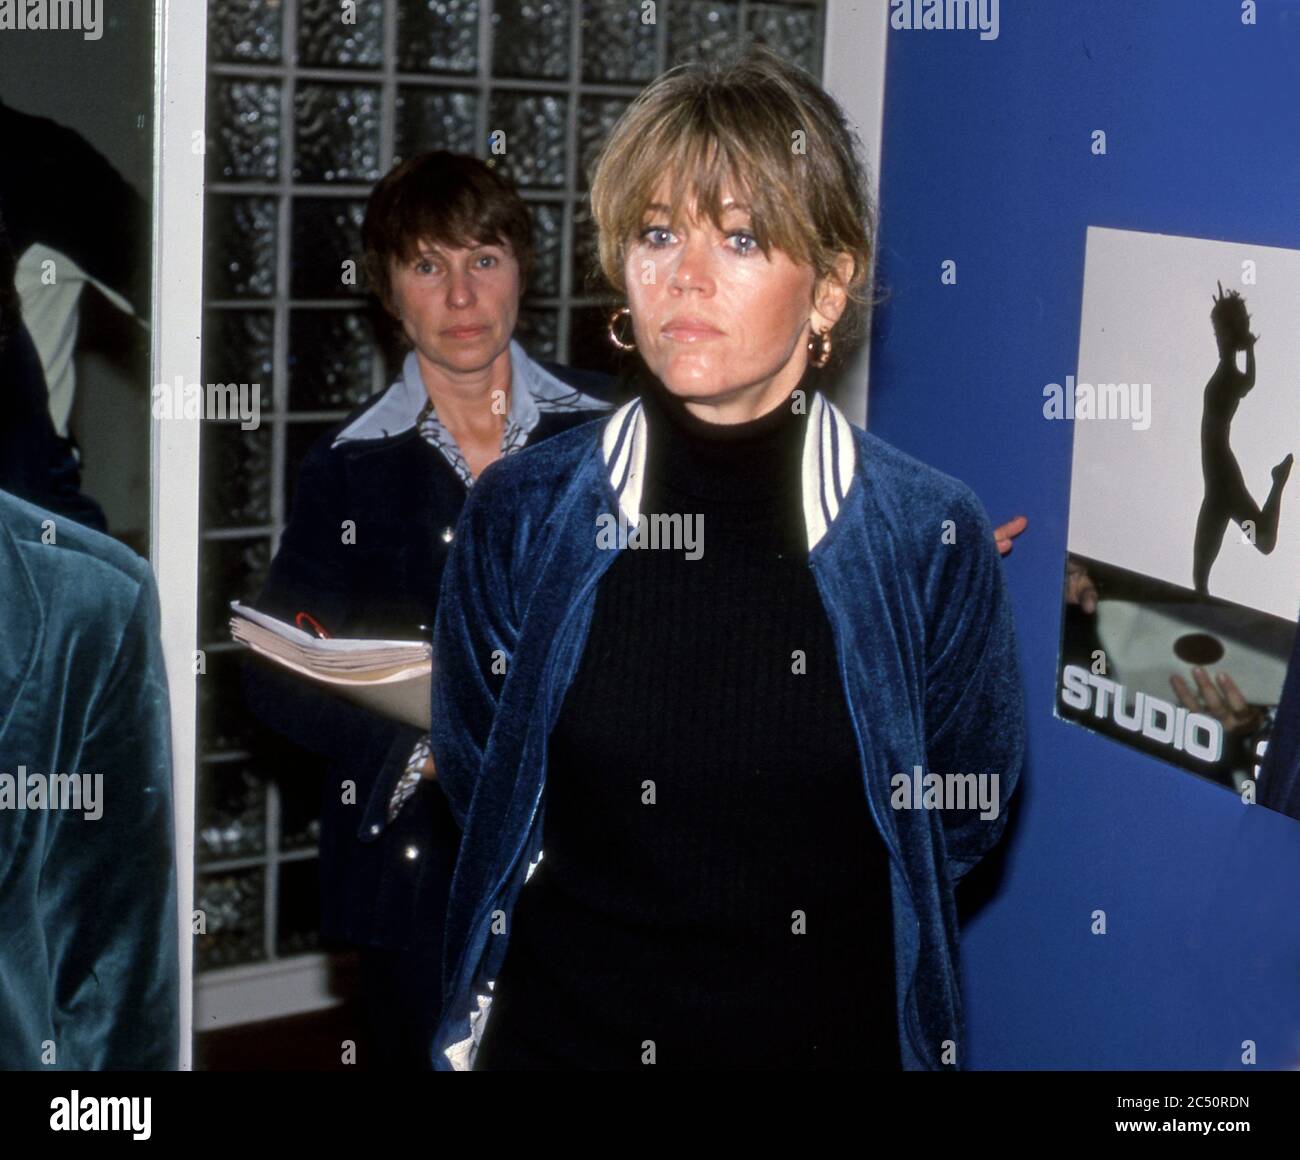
column 712, row 881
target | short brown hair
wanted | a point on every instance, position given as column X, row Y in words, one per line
column 449, row 199
column 736, row 120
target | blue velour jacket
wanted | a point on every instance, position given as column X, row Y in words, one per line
column 89, row 953
column 910, row 578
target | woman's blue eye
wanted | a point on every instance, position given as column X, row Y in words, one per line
column 752, row 242
column 424, row 267
column 648, row 233
column 490, row 259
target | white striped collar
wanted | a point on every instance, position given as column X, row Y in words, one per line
column 829, row 460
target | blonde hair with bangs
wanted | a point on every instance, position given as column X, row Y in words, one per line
column 762, row 127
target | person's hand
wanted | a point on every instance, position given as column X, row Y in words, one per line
column 1223, row 702
column 1079, row 588
column 426, row 770
column 1007, row 532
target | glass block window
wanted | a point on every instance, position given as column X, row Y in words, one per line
column 307, row 108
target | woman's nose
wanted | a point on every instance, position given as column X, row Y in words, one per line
column 460, row 289
column 693, row 270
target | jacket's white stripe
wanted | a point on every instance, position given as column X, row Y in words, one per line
column 616, row 443
column 814, row 517
column 623, row 441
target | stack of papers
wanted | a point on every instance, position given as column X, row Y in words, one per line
column 391, row 677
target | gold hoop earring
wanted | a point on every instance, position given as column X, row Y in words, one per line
column 613, row 335
column 820, row 352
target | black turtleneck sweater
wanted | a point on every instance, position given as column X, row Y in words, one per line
column 712, row 880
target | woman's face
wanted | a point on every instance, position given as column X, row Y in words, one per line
column 458, row 306
column 720, row 323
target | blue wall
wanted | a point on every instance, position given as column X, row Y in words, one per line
column 987, row 161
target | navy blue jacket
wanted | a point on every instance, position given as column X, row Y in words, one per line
column 909, row 574
column 403, row 499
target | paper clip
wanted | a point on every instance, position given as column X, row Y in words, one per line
column 312, row 625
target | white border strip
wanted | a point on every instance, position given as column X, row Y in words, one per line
column 856, row 40
column 234, row 996
column 180, row 73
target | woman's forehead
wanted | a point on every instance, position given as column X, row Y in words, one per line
column 729, row 201
column 431, row 246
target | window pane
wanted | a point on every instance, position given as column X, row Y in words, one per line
column 437, row 35
column 325, row 40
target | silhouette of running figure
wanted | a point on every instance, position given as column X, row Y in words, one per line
column 1226, row 497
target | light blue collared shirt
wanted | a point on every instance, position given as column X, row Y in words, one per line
column 406, row 404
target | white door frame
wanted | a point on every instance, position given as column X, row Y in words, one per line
column 180, row 77
column 856, row 37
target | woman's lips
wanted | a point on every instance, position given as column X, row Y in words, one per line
column 690, row 331
column 465, row 331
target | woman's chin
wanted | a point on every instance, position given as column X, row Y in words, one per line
column 694, row 378
column 464, row 356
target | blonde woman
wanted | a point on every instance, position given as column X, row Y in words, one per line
column 696, row 661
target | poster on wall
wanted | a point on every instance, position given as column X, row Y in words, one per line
column 1182, row 578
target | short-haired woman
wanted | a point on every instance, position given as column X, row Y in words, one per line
column 698, row 664
column 448, row 250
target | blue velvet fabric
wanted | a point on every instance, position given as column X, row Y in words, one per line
column 89, row 975
column 909, row 574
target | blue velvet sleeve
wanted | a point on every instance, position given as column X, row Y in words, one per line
column 974, row 705
column 115, row 971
